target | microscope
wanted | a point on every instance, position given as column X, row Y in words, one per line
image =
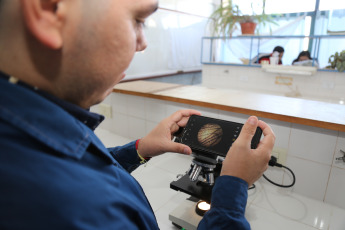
column 210, row 139
column 200, row 177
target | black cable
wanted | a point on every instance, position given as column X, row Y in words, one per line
column 253, row 186
column 273, row 162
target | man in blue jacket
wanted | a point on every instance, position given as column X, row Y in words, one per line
column 57, row 59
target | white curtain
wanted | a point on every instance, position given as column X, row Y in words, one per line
column 185, row 47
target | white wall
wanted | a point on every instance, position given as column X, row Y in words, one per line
column 173, row 35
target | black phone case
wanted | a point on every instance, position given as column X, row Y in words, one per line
column 213, row 136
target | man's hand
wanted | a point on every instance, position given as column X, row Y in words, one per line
column 158, row 141
column 244, row 162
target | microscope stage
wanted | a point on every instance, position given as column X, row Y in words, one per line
column 196, row 189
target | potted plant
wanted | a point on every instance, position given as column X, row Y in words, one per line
column 248, row 24
column 337, row 61
column 226, row 18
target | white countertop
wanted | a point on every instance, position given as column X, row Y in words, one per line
column 300, row 111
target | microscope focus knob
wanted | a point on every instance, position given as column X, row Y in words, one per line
column 209, row 177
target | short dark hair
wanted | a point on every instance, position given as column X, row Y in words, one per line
column 279, row 49
column 305, row 53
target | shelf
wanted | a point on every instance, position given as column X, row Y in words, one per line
column 244, row 50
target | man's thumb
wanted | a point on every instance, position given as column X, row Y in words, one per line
column 248, row 129
column 180, row 148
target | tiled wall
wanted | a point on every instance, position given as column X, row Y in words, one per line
column 324, row 86
column 311, row 151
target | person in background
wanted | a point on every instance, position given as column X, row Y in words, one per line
column 57, row 59
column 302, row 56
column 304, row 59
column 277, row 51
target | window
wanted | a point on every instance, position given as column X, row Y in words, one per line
column 331, row 4
column 278, row 6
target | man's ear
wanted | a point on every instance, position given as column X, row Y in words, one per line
column 44, row 21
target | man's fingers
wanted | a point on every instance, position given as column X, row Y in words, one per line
column 269, row 137
column 266, row 129
column 179, row 115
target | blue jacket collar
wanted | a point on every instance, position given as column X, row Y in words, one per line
column 92, row 120
column 50, row 121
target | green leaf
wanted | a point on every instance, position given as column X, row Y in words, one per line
column 338, row 65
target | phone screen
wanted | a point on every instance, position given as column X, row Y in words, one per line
column 215, row 136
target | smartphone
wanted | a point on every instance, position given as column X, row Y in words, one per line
column 213, row 136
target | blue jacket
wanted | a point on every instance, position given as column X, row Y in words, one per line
column 56, row 174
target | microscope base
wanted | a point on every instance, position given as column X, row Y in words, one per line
column 185, row 216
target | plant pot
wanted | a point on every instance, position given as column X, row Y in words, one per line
column 248, row 28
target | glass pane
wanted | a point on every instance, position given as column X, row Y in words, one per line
column 249, row 6
column 291, row 6
column 331, row 4
column 197, row 7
